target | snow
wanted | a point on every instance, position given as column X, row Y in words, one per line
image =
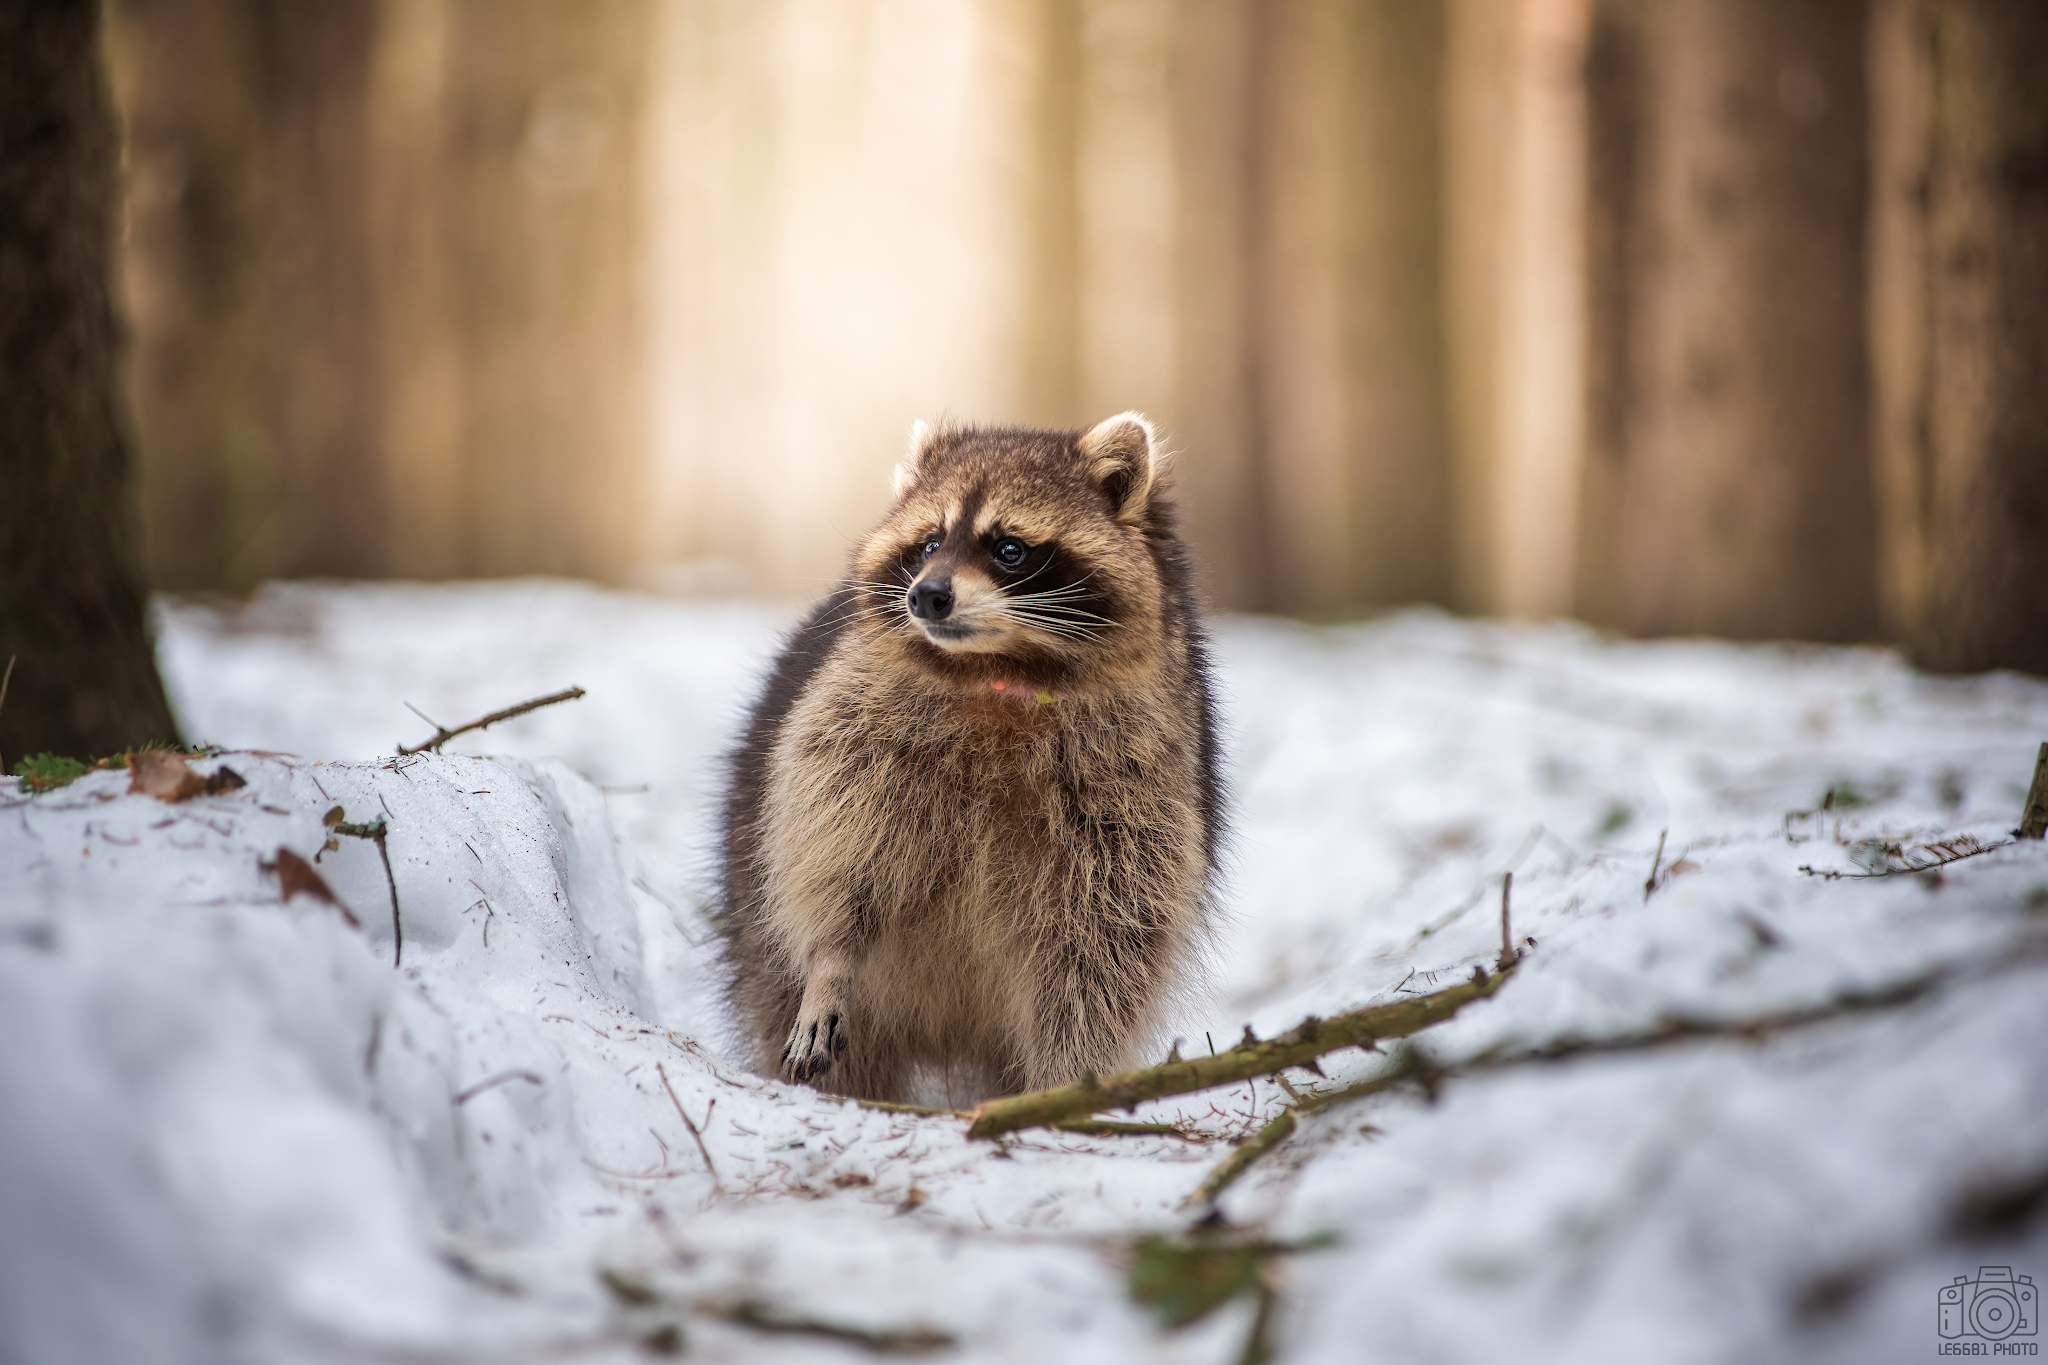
column 230, row 1130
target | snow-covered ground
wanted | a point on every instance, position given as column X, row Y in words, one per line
column 231, row 1131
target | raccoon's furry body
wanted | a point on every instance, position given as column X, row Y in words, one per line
column 973, row 825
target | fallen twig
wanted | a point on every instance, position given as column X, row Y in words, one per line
column 1508, row 956
column 702, row 1150
column 1656, row 865
column 1090, row 1127
column 1670, row 1030
column 1903, row 862
column 442, row 734
column 493, row 1082
column 1277, row 1130
column 1282, row 1125
column 1114, row 1128
column 337, row 820
column 766, row 1317
column 1249, row 1059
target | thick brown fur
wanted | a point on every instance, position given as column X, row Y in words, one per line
column 979, row 850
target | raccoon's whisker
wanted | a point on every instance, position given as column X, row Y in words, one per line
column 1066, row 606
column 1060, row 609
column 1062, row 626
column 856, row 602
column 1052, row 594
column 1034, row 573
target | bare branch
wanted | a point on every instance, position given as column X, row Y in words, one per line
column 1666, row 1032
column 702, row 1150
column 769, row 1318
column 1251, row 1058
column 1508, row 955
column 1088, row 1127
column 1896, row 861
column 494, row 1082
column 337, row 820
column 442, row 734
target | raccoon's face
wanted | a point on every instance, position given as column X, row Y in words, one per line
column 1021, row 549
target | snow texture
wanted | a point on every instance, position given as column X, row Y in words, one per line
column 231, row 1130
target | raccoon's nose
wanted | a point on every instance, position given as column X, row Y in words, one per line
column 932, row 599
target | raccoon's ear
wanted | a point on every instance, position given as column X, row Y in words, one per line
column 913, row 452
column 1122, row 456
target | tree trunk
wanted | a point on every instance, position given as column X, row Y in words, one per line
column 1346, row 316
column 1960, row 333
column 1729, row 487
column 71, row 597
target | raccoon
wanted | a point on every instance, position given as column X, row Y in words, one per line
column 971, row 833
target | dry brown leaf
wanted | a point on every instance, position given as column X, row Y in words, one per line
column 295, row 874
column 164, row 775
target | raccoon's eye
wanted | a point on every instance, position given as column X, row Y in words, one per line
column 1009, row 552
column 931, row 545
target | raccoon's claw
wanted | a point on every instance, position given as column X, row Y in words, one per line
column 814, row 1045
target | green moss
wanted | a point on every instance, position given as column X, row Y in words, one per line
column 1183, row 1281
column 47, row 772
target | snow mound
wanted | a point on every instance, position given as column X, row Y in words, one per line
column 231, row 1128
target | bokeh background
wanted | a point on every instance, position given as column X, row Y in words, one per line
column 1678, row 316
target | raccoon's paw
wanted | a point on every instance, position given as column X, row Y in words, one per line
column 814, row 1044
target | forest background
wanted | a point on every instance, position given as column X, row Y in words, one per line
column 1677, row 316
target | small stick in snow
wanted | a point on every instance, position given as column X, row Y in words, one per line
column 1276, row 1131
column 442, row 734
column 702, row 1150
column 1282, row 1125
column 768, row 1318
column 1657, row 864
column 1086, row 1127
column 337, row 820
column 1258, row 1343
column 1900, row 862
column 2033, row 815
column 1507, row 933
column 494, row 1082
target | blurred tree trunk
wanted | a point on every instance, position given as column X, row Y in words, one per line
column 191, row 265
column 1344, row 310
column 386, row 265
column 71, row 598
column 1237, row 226
column 1728, row 488
column 1960, row 328
column 257, row 383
